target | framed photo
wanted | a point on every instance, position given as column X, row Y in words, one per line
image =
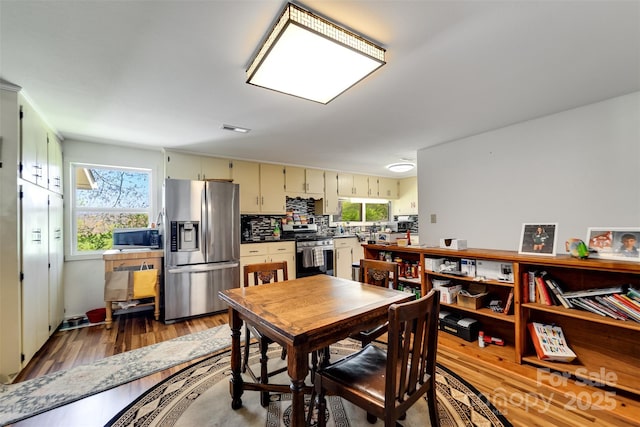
column 538, row 239
column 614, row 243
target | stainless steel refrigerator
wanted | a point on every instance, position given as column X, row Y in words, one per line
column 201, row 234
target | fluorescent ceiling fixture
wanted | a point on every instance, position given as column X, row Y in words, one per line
column 235, row 128
column 401, row 167
column 309, row 57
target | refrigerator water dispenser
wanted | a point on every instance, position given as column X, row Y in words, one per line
column 184, row 236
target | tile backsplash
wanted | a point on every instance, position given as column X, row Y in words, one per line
column 256, row 226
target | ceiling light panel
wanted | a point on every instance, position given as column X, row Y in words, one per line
column 309, row 57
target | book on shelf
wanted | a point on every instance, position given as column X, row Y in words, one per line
column 598, row 307
column 617, row 313
column 525, row 287
column 634, row 294
column 586, row 293
column 543, row 293
column 559, row 294
column 532, row 286
column 550, row 343
column 584, row 304
column 622, row 304
column 509, row 303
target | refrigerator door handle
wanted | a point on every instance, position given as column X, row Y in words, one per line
column 203, row 267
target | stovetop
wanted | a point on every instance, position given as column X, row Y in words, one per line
column 306, row 237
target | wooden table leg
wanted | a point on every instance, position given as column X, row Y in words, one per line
column 236, row 382
column 298, row 368
column 109, row 315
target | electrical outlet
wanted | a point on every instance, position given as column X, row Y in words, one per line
column 433, row 218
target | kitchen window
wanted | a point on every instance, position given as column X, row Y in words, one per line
column 104, row 198
column 362, row 211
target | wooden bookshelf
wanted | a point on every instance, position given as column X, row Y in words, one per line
column 607, row 349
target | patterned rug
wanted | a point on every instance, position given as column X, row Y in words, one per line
column 199, row 396
column 26, row 399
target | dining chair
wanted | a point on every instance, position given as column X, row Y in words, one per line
column 379, row 273
column 386, row 383
column 263, row 273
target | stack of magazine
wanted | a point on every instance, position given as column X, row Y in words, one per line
column 621, row 302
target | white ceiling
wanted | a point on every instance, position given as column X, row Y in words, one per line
column 170, row 73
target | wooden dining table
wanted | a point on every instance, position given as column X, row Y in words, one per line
column 303, row 315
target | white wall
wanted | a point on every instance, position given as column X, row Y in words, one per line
column 84, row 276
column 579, row 168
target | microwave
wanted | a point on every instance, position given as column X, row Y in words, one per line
column 132, row 238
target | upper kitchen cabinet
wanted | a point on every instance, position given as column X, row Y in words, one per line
column 34, row 157
column 329, row 204
column 190, row 166
column 387, row 188
column 353, row 185
column 261, row 187
column 215, row 168
column 306, row 183
column 54, row 150
column 407, row 203
column 273, row 199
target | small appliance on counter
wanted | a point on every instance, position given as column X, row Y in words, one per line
column 136, row 238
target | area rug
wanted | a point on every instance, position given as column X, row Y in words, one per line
column 199, row 396
column 26, row 399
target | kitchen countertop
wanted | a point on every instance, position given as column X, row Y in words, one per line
column 271, row 240
column 291, row 239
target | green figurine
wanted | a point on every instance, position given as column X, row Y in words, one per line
column 577, row 248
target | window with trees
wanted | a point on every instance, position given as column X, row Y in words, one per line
column 362, row 212
column 104, row 198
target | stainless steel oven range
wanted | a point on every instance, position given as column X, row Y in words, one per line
column 314, row 252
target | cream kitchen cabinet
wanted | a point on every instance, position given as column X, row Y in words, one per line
column 261, row 187
column 329, row 204
column 407, row 202
column 189, row 166
column 35, row 269
column 347, row 251
column 56, row 262
column 387, row 188
column 247, row 174
column 31, row 233
column 256, row 253
column 54, row 156
column 353, row 185
column 34, row 157
column 306, row 183
column 273, row 198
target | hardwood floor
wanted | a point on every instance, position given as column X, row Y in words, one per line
column 526, row 396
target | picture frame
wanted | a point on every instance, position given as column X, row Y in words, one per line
column 620, row 243
column 538, row 238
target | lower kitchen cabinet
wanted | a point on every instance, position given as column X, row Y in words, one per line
column 257, row 253
column 347, row 251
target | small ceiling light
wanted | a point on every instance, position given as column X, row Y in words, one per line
column 401, row 167
column 309, row 57
column 235, row 128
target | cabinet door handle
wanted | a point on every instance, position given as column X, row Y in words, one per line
column 253, row 252
column 36, row 235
